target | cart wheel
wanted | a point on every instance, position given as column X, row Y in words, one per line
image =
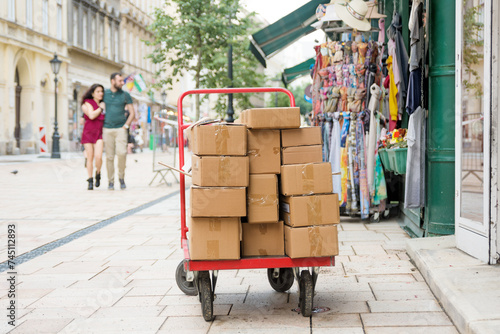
column 207, row 306
column 284, row 281
column 189, row 288
column 306, row 293
column 375, row 218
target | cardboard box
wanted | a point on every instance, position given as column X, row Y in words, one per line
column 219, row 139
column 272, row 118
column 214, row 238
column 220, row 171
column 264, row 151
column 310, row 210
column 306, row 179
column 301, row 154
column 263, row 239
column 311, row 241
column 262, row 199
column 301, row 137
column 218, row 202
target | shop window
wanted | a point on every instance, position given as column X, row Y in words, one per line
column 45, row 17
column 130, row 44
column 29, row 14
column 110, row 43
column 101, row 37
column 59, row 19
column 84, row 30
column 12, row 10
column 93, row 35
column 117, row 45
column 75, row 25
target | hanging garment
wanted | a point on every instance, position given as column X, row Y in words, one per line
column 416, row 28
column 335, row 154
column 353, row 165
column 326, row 137
column 380, row 187
column 364, row 194
column 415, row 164
column 372, row 136
column 393, row 91
column 413, row 100
column 395, row 33
column 344, row 160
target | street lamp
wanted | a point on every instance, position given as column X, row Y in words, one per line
column 55, row 64
column 164, row 99
column 230, row 110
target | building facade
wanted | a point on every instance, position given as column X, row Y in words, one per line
column 31, row 31
column 93, row 38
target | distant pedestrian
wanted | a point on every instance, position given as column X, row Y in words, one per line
column 116, row 126
column 93, row 113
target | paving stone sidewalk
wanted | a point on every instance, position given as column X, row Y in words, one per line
column 121, row 279
column 48, row 199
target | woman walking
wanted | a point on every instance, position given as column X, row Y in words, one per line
column 93, row 109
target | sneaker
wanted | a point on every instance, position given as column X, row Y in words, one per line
column 122, row 184
column 111, row 186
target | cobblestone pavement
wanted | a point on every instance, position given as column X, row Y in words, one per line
column 120, row 278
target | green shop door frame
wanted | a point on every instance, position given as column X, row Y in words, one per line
column 439, row 218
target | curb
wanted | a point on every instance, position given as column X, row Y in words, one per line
column 466, row 287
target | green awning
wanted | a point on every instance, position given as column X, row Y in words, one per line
column 275, row 37
column 292, row 73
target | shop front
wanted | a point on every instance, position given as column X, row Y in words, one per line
column 476, row 135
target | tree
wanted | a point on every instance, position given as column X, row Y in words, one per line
column 196, row 39
column 473, row 44
column 298, row 93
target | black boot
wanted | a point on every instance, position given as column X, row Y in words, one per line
column 91, row 183
column 97, row 179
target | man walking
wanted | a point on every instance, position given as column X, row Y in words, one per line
column 115, row 130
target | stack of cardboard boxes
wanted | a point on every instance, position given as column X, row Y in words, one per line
column 307, row 205
column 263, row 231
column 271, row 155
column 218, row 195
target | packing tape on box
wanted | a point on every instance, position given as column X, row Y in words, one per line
column 315, row 241
column 263, row 228
column 221, row 138
column 224, row 172
column 254, row 153
column 262, row 200
column 314, row 213
column 214, row 225
column 308, row 178
column 213, row 249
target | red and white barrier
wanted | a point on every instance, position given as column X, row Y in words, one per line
column 43, row 140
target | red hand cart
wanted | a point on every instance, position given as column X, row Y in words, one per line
column 193, row 276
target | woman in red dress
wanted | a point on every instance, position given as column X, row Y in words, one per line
column 93, row 110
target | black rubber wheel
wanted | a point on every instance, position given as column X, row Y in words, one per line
column 375, row 218
column 189, row 288
column 205, row 286
column 306, row 293
column 285, row 280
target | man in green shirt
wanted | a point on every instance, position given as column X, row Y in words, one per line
column 115, row 131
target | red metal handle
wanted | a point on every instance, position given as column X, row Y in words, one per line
column 181, row 128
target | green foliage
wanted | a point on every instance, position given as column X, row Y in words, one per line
column 284, row 100
column 472, row 49
column 196, row 39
